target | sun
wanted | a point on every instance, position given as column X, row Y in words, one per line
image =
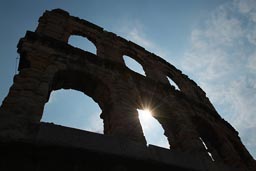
column 152, row 129
column 145, row 114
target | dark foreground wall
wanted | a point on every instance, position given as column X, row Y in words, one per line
column 48, row 62
column 61, row 148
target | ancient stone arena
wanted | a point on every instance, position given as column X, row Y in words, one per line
column 47, row 62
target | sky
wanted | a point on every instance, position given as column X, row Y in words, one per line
column 213, row 42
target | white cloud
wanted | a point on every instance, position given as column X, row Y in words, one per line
column 222, row 30
column 248, row 9
column 250, row 138
column 222, row 59
column 253, row 16
column 136, row 36
column 243, row 97
column 245, row 6
column 135, row 32
column 252, row 62
column 251, row 36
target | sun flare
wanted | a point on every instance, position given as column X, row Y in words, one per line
column 145, row 114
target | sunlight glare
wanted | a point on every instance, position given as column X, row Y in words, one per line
column 145, row 114
column 152, row 130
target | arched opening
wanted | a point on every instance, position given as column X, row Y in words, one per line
column 82, row 43
column 152, row 129
column 74, row 109
column 133, row 65
column 173, row 83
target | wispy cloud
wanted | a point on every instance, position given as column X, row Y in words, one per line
column 222, row 59
column 137, row 36
column 135, row 31
column 246, row 6
column 252, row 62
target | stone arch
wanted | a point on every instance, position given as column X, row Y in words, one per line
column 79, row 32
column 152, row 128
column 86, row 34
column 80, row 81
column 82, row 43
column 178, row 128
column 57, row 78
column 160, row 112
column 169, row 122
column 40, row 73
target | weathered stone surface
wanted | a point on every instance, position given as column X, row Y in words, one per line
column 49, row 63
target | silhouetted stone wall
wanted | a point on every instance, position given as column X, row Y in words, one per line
column 48, row 62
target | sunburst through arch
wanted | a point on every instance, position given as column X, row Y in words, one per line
column 152, row 129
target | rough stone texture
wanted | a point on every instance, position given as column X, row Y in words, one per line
column 48, row 62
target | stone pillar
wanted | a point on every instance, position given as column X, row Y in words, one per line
column 168, row 126
column 181, row 133
column 54, row 24
column 124, row 122
column 121, row 118
column 24, row 104
column 110, row 53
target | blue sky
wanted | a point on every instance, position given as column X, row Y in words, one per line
column 213, row 42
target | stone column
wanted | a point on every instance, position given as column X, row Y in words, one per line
column 121, row 118
column 124, row 122
column 24, row 104
column 181, row 133
column 109, row 50
column 168, row 126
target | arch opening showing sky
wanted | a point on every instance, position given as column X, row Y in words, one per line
column 83, row 114
column 152, row 129
column 133, row 65
column 82, row 43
